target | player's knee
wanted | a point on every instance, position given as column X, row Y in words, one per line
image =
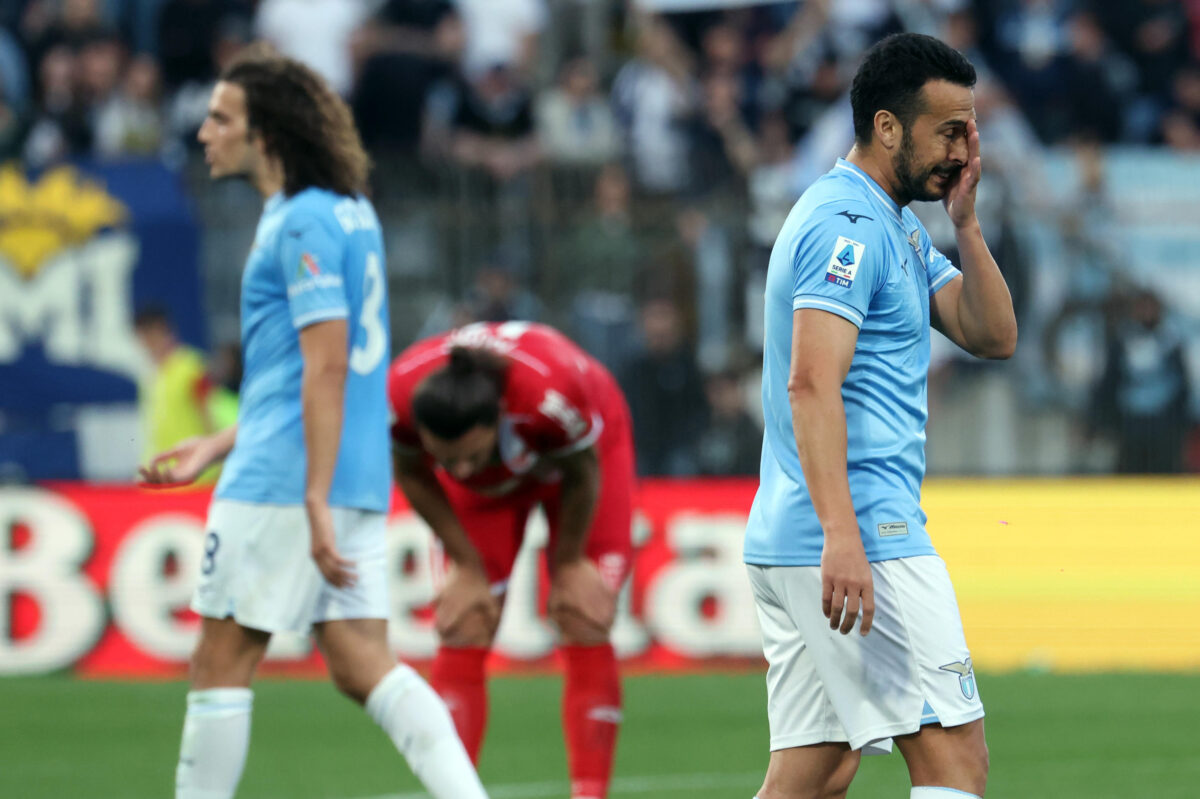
column 574, row 630
column 475, row 631
column 213, row 665
column 351, row 682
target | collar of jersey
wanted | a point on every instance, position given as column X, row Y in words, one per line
column 871, row 185
column 273, row 202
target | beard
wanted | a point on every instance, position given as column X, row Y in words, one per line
column 914, row 180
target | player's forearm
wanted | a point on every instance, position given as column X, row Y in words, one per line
column 223, row 441
column 322, row 392
column 985, row 309
column 819, row 423
column 425, row 495
column 580, row 490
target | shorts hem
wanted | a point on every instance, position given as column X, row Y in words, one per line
column 252, row 624
column 959, row 720
column 796, row 739
column 275, row 627
column 907, row 728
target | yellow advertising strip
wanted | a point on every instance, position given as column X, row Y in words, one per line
column 1073, row 575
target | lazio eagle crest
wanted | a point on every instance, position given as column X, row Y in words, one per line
column 966, row 676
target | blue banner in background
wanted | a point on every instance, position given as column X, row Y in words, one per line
column 82, row 248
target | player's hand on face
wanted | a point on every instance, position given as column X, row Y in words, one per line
column 338, row 571
column 577, row 590
column 847, row 588
column 960, row 196
column 466, row 599
column 182, row 463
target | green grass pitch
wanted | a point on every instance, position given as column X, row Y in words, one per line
column 698, row 736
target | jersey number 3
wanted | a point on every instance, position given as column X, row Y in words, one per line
column 370, row 352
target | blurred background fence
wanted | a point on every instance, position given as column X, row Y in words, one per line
column 620, row 170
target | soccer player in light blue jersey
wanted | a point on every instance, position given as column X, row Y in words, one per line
column 295, row 538
column 836, row 538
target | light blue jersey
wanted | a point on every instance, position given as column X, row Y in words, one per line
column 848, row 249
column 316, row 256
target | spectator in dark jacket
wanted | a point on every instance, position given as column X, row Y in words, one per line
column 666, row 394
column 1142, row 399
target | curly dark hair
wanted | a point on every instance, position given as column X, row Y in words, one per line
column 302, row 121
column 893, row 73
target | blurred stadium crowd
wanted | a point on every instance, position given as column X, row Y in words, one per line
column 620, row 169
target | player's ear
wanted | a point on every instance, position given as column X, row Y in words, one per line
column 888, row 130
column 256, row 139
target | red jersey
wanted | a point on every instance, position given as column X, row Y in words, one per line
column 557, row 399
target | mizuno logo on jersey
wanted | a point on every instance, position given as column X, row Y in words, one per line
column 843, row 262
column 855, row 217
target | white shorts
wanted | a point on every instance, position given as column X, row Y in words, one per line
column 257, row 567
column 912, row 668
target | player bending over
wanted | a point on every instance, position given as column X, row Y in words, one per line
column 492, row 420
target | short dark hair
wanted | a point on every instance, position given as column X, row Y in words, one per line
column 892, row 74
column 462, row 394
column 303, row 122
column 152, row 316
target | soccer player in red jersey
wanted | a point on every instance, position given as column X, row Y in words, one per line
column 492, row 420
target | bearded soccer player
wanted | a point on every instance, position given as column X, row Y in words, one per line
column 490, row 421
column 836, row 540
column 295, row 535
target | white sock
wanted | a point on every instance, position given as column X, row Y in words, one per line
column 930, row 792
column 216, row 735
column 417, row 721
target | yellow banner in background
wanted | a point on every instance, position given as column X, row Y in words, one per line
column 1073, row 575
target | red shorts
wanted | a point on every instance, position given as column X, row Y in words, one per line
column 496, row 525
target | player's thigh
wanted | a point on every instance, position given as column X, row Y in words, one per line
column 951, row 757
column 609, row 542
column 923, row 597
column 361, row 538
column 799, row 711
column 494, row 525
column 883, row 684
column 256, row 567
column 357, row 653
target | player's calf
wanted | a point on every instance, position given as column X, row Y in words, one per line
column 419, row 725
column 357, row 654
column 475, row 629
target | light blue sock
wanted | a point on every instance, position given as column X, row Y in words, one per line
column 930, row 792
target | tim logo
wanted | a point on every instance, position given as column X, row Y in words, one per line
column 966, row 676
column 66, row 262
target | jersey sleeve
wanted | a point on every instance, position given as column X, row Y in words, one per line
column 941, row 269
column 560, row 418
column 838, row 264
column 312, row 257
